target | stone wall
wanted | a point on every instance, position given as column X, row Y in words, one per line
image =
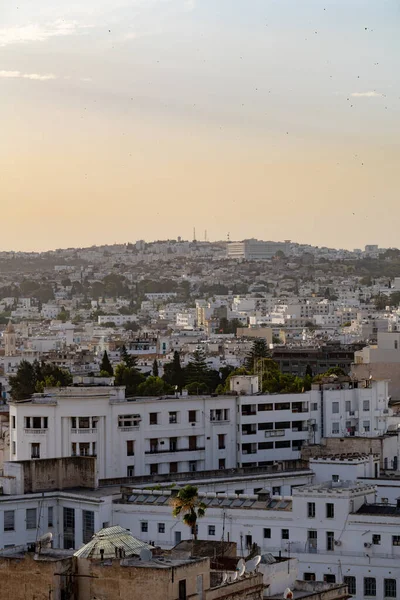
column 43, row 475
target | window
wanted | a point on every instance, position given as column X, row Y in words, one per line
column 335, row 428
column 128, row 420
column 154, row 469
column 173, row 444
column 192, row 466
column 330, row 541
column 389, row 588
column 161, row 528
column 347, row 405
column 50, row 516
column 84, row 449
column 87, row 525
column 221, row 441
column 9, row 520
column 376, row 539
column 329, row 578
column 193, row 442
column 31, row 518
column 330, row 510
column 285, row 534
column 309, row 576
column 14, row 447
column 73, row 423
column 130, row 448
column 36, row 422
column 395, row 540
column 276, row 490
column 221, row 463
column 182, row 590
column 335, row 478
column 314, row 406
column 84, row 422
column 265, row 445
column 282, row 406
column 369, row 586
column 282, row 425
column 248, row 540
column 311, row 510
column 211, row 530
column 69, row 527
column 335, row 407
column 265, row 426
column 35, row 450
column 267, row 533
column 173, row 417
column 173, row 467
column 350, row 580
column 285, row 444
column 144, row 526
column 154, row 445
column 192, row 418
column 365, row 404
column 263, row 407
column 153, row 418
column 367, row 427
column 130, row 471
column 13, row 421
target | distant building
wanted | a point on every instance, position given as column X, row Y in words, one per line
column 255, row 249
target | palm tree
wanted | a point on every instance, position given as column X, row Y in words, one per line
column 187, row 502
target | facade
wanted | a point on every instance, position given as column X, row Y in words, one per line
column 157, row 436
column 296, row 360
column 255, row 249
column 381, row 361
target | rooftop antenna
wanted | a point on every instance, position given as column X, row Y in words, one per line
column 205, row 235
column 228, row 237
column 194, row 234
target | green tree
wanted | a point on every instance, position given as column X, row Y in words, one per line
column 309, row 372
column 130, row 377
column 259, row 350
column 63, row 315
column 188, row 504
column 105, row 365
column 196, row 388
column 129, row 359
column 173, row 372
column 23, row 383
column 155, row 368
column 197, row 371
column 153, row 386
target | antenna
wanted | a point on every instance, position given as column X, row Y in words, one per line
column 205, row 235
column 228, row 237
column 145, row 554
column 194, row 234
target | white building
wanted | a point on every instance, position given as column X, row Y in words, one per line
column 150, row 436
column 118, row 320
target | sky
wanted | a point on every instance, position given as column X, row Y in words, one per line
column 142, row 119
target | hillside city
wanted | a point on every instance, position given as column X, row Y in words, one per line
column 213, row 419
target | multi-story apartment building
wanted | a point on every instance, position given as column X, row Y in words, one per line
column 150, row 436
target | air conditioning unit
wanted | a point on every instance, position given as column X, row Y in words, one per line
column 367, row 545
column 338, row 543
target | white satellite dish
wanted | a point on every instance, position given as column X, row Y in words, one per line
column 145, row 555
column 288, row 594
column 240, row 564
column 252, row 564
column 234, row 576
column 46, row 538
column 224, row 578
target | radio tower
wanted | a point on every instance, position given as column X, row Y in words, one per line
column 194, row 234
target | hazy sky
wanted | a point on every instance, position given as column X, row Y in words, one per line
column 140, row 119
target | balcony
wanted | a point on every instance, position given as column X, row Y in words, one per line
column 219, row 421
column 86, row 430
column 158, row 451
column 132, row 428
column 35, row 431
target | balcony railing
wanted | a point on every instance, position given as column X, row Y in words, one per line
column 131, row 428
column 35, row 431
column 85, row 430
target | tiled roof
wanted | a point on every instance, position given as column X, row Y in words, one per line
column 111, row 540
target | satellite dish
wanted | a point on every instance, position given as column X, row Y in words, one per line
column 242, row 570
column 46, row 538
column 288, row 594
column 252, row 565
column 240, row 564
column 224, row 578
column 234, row 576
column 145, row 555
